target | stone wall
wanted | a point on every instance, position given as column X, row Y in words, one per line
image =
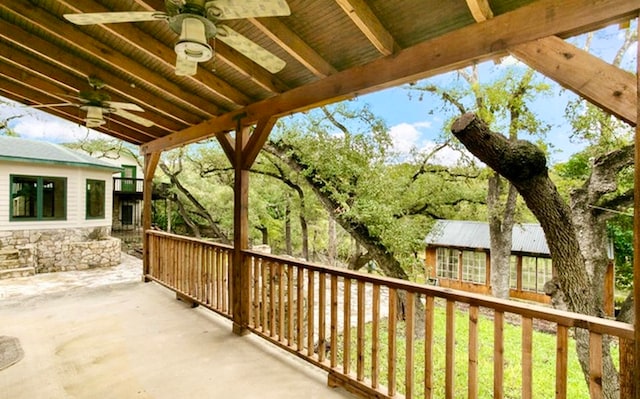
column 63, row 249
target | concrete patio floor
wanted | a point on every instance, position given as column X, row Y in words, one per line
column 104, row 334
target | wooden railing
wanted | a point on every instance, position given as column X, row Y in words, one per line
column 356, row 326
column 194, row 268
column 128, row 185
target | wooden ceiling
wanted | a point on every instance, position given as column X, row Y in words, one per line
column 333, row 49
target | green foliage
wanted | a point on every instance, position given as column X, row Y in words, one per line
column 620, row 230
column 544, row 352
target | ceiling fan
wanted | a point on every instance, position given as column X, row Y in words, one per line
column 197, row 21
column 97, row 104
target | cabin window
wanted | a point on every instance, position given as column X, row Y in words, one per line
column 447, row 263
column 474, row 267
column 535, row 273
column 95, row 199
column 38, row 198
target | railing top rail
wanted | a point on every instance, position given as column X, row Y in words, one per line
column 565, row 318
column 177, row 237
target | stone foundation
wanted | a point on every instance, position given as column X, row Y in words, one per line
column 63, row 249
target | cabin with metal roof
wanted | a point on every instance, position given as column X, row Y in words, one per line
column 55, row 209
column 458, row 255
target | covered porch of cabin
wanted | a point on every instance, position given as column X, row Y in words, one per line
column 333, row 319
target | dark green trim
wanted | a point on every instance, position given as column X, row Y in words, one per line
column 87, row 199
column 39, row 198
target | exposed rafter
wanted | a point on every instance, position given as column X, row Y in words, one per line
column 361, row 15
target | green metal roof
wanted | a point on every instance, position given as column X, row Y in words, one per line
column 21, row 150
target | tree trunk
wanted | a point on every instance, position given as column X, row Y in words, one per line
column 332, row 245
column 287, row 228
column 501, row 232
column 524, row 165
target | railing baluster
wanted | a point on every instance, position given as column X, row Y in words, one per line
column 263, row 295
column 334, row 321
column 300, row 310
column 527, row 356
column 472, row 381
column 409, row 328
column 391, row 343
column 255, row 308
column 450, row 347
column 428, row 347
column 310, row 311
column 595, row 365
column 375, row 336
column 290, row 305
column 360, row 333
column 322, row 325
column 498, row 354
column 281, row 315
column 346, row 328
column 272, row 300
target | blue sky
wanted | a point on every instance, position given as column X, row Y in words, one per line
column 410, row 124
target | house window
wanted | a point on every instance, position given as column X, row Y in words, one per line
column 447, row 263
column 38, row 198
column 474, row 267
column 95, row 199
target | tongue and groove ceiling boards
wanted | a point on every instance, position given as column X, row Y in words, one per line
column 328, row 50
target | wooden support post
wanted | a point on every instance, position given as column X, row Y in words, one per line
column 636, row 232
column 150, row 163
column 240, row 274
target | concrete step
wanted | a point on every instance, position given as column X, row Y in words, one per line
column 9, row 254
column 19, row 272
column 9, row 264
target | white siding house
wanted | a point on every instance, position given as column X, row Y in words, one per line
column 55, row 208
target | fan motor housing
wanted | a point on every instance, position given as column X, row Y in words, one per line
column 194, row 31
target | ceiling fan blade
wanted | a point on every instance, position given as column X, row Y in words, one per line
column 250, row 49
column 135, row 118
column 126, row 106
column 185, row 67
column 92, row 18
column 234, row 9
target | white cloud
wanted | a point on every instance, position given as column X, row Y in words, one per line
column 405, row 137
column 445, row 156
column 31, row 123
column 408, row 138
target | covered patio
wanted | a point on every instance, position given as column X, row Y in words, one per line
column 332, row 50
column 103, row 333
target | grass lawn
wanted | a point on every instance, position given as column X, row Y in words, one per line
column 544, row 349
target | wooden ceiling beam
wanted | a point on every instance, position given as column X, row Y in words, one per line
column 152, row 47
column 605, row 85
column 81, row 43
column 54, row 80
column 369, row 24
column 294, row 45
column 63, row 60
column 480, row 9
column 448, row 52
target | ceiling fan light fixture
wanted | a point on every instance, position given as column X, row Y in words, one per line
column 94, row 116
column 193, row 41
